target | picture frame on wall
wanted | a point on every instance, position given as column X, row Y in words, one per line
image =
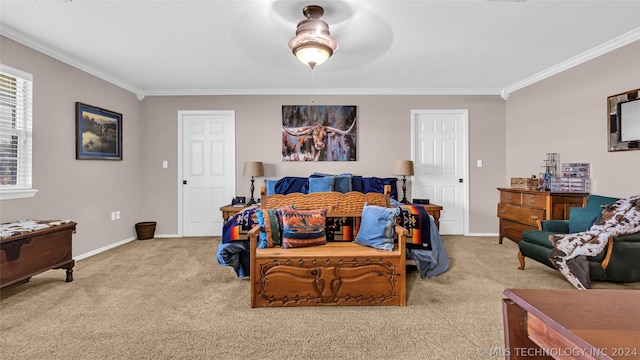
column 319, row 133
column 623, row 121
column 98, row 133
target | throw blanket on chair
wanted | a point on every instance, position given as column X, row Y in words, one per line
column 570, row 250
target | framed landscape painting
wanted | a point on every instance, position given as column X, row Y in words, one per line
column 319, row 133
column 98, row 133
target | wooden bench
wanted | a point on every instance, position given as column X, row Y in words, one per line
column 337, row 273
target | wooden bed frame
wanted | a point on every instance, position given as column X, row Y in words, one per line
column 338, row 273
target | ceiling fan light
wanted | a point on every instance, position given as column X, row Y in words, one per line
column 312, row 54
column 313, row 44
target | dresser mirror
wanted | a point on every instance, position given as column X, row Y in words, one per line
column 624, row 121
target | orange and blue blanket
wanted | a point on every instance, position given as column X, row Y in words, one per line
column 416, row 220
column 237, row 226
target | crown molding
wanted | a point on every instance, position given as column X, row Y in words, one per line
column 28, row 41
column 620, row 41
column 354, row 91
column 609, row 46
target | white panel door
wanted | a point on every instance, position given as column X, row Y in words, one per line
column 208, row 169
column 440, row 161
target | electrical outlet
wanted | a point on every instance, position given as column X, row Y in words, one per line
column 118, row 215
column 113, row 215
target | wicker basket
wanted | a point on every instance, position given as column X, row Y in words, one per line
column 145, row 230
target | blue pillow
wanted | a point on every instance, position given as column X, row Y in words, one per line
column 320, row 184
column 342, row 183
column 270, row 186
column 376, row 185
column 376, row 227
column 357, row 183
column 291, row 184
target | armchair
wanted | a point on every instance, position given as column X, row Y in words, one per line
column 618, row 262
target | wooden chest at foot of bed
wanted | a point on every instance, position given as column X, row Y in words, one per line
column 340, row 273
column 30, row 252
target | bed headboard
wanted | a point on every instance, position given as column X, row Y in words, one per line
column 336, row 203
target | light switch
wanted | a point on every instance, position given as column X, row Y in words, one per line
column 479, row 163
column 165, row 164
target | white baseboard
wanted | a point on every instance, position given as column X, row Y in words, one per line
column 481, row 234
column 111, row 246
column 102, row 249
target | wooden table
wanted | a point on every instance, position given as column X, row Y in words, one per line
column 571, row 324
column 230, row 210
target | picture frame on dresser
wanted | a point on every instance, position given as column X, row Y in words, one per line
column 98, row 133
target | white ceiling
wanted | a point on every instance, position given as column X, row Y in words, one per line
column 386, row 47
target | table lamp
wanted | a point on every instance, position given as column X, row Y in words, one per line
column 404, row 168
column 253, row 168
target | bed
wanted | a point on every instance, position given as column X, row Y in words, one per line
column 424, row 247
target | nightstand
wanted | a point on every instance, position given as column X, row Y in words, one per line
column 230, row 210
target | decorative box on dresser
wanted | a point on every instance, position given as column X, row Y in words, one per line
column 520, row 209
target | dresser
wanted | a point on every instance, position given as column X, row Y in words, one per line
column 520, row 210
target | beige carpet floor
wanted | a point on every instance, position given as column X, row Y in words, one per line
column 169, row 299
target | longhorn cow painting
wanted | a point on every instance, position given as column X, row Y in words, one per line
column 319, row 133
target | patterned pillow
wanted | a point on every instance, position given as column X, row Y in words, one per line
column 303, row 227
column 270, row 222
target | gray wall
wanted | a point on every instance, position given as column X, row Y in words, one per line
column 384, row 135
column 567, row 114
column 564, row 114
column 86, row 191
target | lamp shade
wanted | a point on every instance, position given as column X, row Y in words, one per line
column 403, row 167
column 253, row 168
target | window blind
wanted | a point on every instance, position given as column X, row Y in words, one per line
column 16, row 132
